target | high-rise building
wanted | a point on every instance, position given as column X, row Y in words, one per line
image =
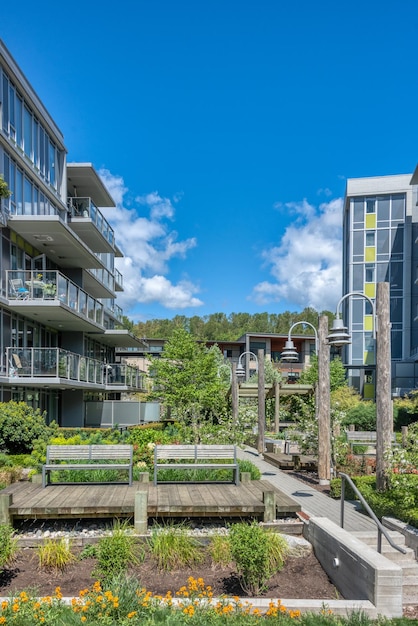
column 379, row 245
column 58, row 312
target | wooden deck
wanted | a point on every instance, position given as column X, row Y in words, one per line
column 291, row 461
column 32, row 501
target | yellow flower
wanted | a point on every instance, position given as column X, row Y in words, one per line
column 83, row 618
column 131, row 614
column 2, row 620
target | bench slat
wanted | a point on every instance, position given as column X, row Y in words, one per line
column 200, row 456
column 58, row 457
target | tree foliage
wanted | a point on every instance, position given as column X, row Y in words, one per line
column 189, row 378
column 4, row 189
column 222, row 327
column 337, row 374
column 21, row 426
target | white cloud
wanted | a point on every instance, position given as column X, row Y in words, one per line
column 148, row 246
column 306, row 265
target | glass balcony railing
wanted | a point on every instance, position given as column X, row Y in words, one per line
column 52, row 285
column 114, row 309
column 118, row 278
column 103, row 276
column 59, row 363
column 85, row 207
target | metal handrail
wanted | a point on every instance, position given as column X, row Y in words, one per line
column 380, row 528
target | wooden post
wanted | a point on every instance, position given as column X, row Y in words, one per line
column 323, row 404
column 144, row 477
column 6, row 500
column 404, row 436
column 234, row 396
column 276, row 407
column 384, row 415
column 261, row 403
column 141, row 512
column 269, row 500
column 245, row 477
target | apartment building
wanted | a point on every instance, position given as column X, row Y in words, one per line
column 58, row 312
column 233, row 351
column 380, row 245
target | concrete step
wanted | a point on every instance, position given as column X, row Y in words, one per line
column 410, row 588
column 371, row 537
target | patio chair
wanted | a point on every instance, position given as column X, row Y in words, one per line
column 18, row 289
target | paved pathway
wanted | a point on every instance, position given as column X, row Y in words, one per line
column 314, row 503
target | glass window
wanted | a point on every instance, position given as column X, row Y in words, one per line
column 383, row 206
column 19, row 106
column 396, row 309
column 358, row 210
column 358, row 243
column 383, row 241
column 28, row 132
column 382, row 272
column 19, row 191
column 397, row 241
column 357, row 311
column 370, row 238
column 52, row 163
column 28, row 197
column 369, row 274
column 358, row 277
column 396, row 275
column 5, row 104
column 398, row 207
column 370, row 205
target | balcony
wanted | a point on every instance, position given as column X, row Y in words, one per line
column 118, row 280
column 55, row 366
column 90, row 225
column 54, row 299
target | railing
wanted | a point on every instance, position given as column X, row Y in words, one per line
column 380, row 528
column 103, row 276
column 114, row 309
column 52, row 285
column 85, row 207
column 59, row 363
column 118, row 278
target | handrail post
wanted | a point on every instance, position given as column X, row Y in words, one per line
column 342, row 501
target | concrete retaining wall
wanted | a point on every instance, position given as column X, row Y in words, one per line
column 409, row 532
column 358, row 571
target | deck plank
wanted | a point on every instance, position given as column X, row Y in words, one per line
column 88, row 500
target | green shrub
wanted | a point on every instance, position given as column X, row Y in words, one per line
column 8, row 545
column 5, row 460
column 55, row 553
column 363, row 416
column 21, row 426
column 220, row 550
column 115, row 553
column 278, row 551
column 250, row 551
column 247, row 466
column 172, row 546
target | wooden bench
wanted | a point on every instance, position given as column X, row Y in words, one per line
column 93, row 456
column 198, row 456
column 364, row 438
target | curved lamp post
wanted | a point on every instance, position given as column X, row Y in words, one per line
column 241, row 370
column 290, row 353
column 384, row 419
column 339, row 335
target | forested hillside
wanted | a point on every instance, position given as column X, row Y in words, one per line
column 221, row 327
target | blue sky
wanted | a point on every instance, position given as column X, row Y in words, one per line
column 226, row 131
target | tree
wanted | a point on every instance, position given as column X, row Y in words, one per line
column 336, row 372
column 187, row 378
column 4, row 189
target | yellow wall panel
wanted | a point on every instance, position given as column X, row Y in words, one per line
column 370, row 290
column 370, row 253
column 368, row 358
column 371, row 220
column 368, row 322
column 368, row 391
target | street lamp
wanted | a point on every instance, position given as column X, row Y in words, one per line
column 290, row 353
column 339, row 335
column 241, row 370
column 381, row 333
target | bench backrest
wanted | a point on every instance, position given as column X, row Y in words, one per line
column 93, row 452
column 198, row 452
column 364, row 435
